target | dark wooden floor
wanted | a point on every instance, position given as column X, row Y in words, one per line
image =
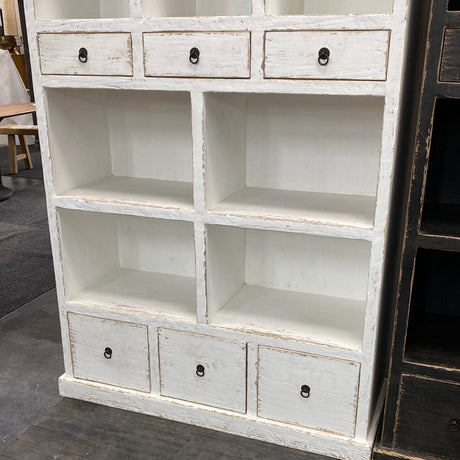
column 36, row 423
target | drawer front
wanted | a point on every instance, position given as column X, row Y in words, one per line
column 203, row 369
column 111, row 352
column 213, row 55
column 428, row 421
column 327, row 55
column 106, row 54
column 308, row 390
column 450, row 63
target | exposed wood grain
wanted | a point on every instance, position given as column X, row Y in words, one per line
column 11, row 110
column 107, row 54
column 354, row 55
column 450, row 64
column 222, row 54
column 425, row 412
column 128, row 364
column 331, row 405
column 223, row 382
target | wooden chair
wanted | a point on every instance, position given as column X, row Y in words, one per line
column 19, row 130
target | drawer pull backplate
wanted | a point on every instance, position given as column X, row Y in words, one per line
column 194, row 55
column 323, row 56
column 83, row 55
column 200, row 370
column 305, row 391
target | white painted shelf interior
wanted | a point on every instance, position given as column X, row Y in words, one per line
column 293, row 285
column 81, row 9
column 186, row 8
column 295, row 157
column 320, row 7
column 132, row 147
column 135, row 262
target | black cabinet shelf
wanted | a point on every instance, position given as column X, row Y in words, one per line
column 441, row 210
column 434, row 319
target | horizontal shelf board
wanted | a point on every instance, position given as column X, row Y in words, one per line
column 441, row 242
column 432, row 355
column 319, row 208
column 168, row 296
column 225, row 23
column 136, row 192
column 321, row 319
column 441, row 219
column 207, row 85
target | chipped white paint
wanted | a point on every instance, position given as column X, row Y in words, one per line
column 353, row 55
column 321, row 442
column 221, row 55
column 254, row 285
column 219, row 382
column 106, row 54
column 329, row 401
column 151, row 171
column 99, row 355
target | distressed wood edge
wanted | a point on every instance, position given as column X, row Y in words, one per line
column 339, row 447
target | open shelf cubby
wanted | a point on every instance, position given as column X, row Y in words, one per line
column 287, row 284
column 181, row 8
column 454, row 5
column 441, row 207
column 320, row 7
column 294, row 157
column 131, row 147
column 434, row 322
column 133, row 262
column 81, row 9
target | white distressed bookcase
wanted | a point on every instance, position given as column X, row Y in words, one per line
column 218, row 175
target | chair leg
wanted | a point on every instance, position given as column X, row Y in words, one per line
column 25, row 151
column 12, row 154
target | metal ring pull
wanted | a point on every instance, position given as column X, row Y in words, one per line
column 194, row 55
column 454, row 424
column 323, row 56
column 83, row 55
column 108, row 353
column 305, row 391
column 200, row 370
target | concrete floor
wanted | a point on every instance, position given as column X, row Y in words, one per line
column 36, row 423
column 31, row 361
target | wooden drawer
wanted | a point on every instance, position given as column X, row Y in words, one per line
column 111, row 352
column 428, row 420
column 203, row 369
column 450, row 61
column 106, row 54
column 212, row 54
column 308, row 390
column 354, row 55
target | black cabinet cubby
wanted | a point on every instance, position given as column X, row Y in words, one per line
column 434, row 319
column 454, row 5
column 441, row 209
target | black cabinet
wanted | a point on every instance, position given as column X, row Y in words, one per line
column 422, row 409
